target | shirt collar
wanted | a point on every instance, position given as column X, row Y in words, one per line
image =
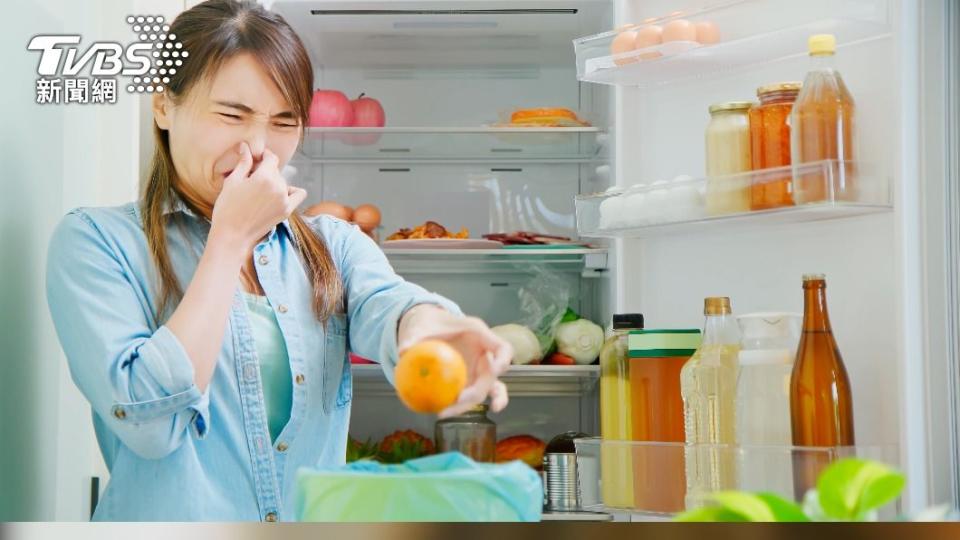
column 178, row 206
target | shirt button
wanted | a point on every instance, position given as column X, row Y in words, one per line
column 264, row 259
column 282, row 308
column 119, row 413
column 271, row 517
column 282, row 447
column 249, row 372
column 300, row 378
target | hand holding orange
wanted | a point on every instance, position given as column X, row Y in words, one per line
column 429, row 376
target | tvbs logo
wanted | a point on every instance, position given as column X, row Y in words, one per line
column 108, row 58
column 150, row 62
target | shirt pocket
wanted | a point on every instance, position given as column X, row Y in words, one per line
column 337, row 380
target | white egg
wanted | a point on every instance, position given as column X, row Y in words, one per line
column 686, row 195
column 611, row 211
column 635, row 209
column 657, row 205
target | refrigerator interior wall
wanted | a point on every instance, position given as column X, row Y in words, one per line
column 453, row 70
column 760, row 269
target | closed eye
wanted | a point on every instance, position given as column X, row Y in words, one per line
column 230, row 116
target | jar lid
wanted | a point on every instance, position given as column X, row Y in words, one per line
column 791, row 86
column 625, row 321
column 731, row 106
column 663, row 343
column 717, row 305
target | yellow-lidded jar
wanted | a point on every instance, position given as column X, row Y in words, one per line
column 728, row 153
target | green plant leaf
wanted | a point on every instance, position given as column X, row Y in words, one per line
column 747, row 505
column 739, row 506
column 709, row 514
column 783, row 510
column 850, row 488
column 569, row 315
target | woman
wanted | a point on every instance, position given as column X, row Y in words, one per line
column 208, row 397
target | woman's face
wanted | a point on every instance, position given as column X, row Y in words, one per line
column 238, row 103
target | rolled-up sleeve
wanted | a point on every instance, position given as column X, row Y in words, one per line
column 377, row 298
column 138, row 378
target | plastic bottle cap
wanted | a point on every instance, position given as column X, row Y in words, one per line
column 628, row 321
column 822, row 44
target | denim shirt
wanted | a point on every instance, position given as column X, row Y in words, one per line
column 174, row 453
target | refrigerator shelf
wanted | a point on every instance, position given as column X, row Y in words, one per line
column 647, row 478
column 822, row 190
column 470, row 261
column 752, row 32
column 454, row 144
column 521, row 381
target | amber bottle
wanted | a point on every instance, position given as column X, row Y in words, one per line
column 821, row 406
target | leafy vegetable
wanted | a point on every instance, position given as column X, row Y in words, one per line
column 580, row 339
column 526, row 347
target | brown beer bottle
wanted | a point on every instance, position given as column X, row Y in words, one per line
column 821, row 406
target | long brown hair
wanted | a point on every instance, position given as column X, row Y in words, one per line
column 212, row 32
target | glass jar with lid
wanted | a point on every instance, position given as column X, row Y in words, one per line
column 770, row 145
column 472, row 433
column 728, row 153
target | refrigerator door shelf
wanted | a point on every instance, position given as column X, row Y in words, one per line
column 751, row 32
column 646, row 479
column 822, row 190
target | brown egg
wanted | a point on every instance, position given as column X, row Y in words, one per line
column 367, row 216
column 679, row 30
column 707, row 32
column 621, row 44
column 330, row 208
column 649, row 36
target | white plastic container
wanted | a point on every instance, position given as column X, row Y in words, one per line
column 768, row 349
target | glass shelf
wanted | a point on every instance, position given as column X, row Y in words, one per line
column 444, row 144
column 752, row 32
column 433, row 261
column 521, row 381
column 648, row 477
column 821, row 190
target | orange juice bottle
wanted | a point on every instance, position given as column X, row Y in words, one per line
column 822, row 128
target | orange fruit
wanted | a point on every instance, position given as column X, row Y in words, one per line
column 430, row 376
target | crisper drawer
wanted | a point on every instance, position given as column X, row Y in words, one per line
column 483, row 199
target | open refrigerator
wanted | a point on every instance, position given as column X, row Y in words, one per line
column 448, row 71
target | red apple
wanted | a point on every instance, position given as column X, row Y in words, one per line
column 330, row 108
column 367, row 113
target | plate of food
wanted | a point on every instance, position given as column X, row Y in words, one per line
column 432, row 235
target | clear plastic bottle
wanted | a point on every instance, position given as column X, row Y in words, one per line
column 768, row 346
column 615, row 418
column 822, row 128
column 708, row 384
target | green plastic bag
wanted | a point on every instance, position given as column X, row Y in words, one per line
column 442, row 487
